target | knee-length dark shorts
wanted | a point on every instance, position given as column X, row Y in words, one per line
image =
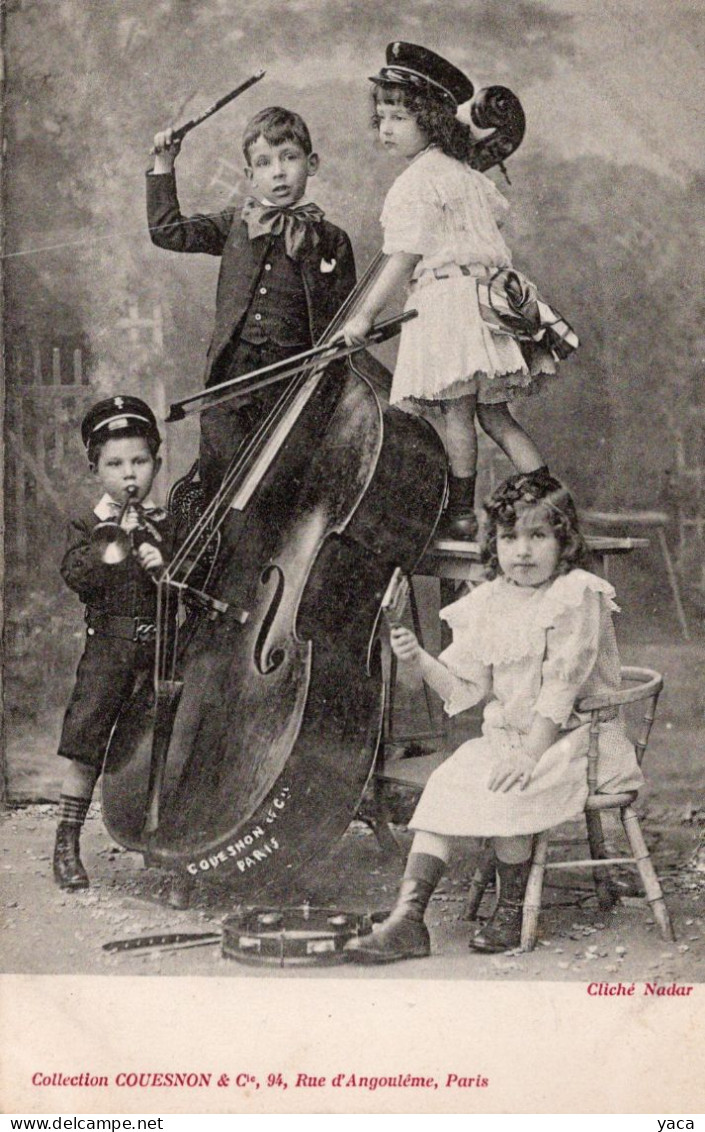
column 107, row 675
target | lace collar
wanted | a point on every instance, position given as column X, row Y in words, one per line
column 500, row 623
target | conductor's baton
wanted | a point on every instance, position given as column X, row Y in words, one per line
column 181, row 131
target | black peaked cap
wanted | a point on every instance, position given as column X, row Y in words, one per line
column 408, row 64
column 116, row 415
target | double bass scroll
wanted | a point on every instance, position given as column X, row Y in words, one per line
column 498, row 109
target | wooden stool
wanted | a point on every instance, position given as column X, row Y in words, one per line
column 657, row 520
column 647, row 687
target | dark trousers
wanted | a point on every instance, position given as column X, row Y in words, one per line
column 226, row 428
column 108, row 673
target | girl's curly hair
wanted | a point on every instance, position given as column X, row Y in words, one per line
column 434, row 114
column 529, row 489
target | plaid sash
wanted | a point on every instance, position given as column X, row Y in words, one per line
column 510, row 304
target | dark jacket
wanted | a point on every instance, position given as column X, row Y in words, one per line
column 124, row 589
column 328, row 271
column 116, row 658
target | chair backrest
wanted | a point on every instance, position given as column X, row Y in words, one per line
column 638, row 684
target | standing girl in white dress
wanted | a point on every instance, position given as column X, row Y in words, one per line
column 440, row 221
column 531, row 642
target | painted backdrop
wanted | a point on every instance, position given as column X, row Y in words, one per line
column 605, row 193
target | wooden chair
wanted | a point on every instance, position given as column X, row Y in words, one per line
column 643, row 684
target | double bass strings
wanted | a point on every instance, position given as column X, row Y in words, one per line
column 259, row 437
column 208, row 526
column 211, row 520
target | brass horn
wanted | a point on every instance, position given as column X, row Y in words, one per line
column 110, row 540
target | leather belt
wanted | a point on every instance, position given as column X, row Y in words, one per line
column 140, row 630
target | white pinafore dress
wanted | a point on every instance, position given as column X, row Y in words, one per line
column 530, row 650
column 444, row 211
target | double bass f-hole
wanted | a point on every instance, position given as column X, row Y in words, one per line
column 265, row 662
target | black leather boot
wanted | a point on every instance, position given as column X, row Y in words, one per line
column 459, row 520
column 403, row 935
column 69, row 872
column 502, row 932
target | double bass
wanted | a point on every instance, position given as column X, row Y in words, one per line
column 249, row 754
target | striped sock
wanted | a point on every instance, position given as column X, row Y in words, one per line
column 72, row 810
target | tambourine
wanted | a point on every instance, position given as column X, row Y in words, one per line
column 291, row 937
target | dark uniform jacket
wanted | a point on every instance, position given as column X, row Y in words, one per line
column 121, row 604
column 327, row 271
column 123, row 589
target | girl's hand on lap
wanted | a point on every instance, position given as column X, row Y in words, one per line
column 511, row 770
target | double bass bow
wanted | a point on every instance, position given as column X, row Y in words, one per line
column 180, row 132
column 277, row 371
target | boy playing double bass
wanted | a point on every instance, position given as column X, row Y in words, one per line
column 285, row 270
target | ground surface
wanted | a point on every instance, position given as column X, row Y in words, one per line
column 50, row 932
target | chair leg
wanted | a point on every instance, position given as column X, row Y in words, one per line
column 377, row 816
column 673, row 579
column 647, row 872
column 483, row 875
column 384, row 836
column 605, row 889
column 534, row 889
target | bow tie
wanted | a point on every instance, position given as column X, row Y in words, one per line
column 297, row 224
column 156, row 513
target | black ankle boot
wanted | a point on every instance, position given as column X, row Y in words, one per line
column 69, row 872
column 459, row 520
column 502, row 932
column 403, row 935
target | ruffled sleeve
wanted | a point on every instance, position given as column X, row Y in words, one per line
column 471, row 676
column 411, row 214
column 573, row 618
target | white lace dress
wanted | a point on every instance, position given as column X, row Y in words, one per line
column 530, row 651
column 446, row 212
